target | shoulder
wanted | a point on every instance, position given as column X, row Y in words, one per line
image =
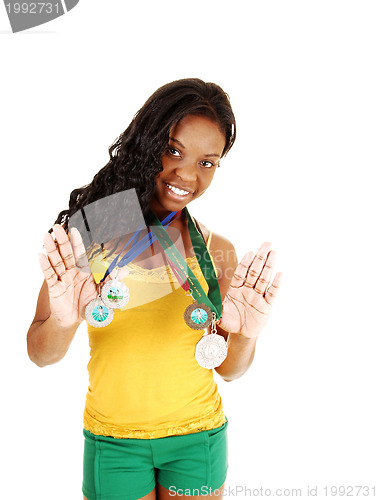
column 204, row 230
column 222, row 251
column 224, row 256
column 225, row 261
column 218, row 242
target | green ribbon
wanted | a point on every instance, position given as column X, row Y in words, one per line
column 213, row 299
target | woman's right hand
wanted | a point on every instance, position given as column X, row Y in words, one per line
column 69, row 279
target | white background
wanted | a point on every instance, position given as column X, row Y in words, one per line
column 303, row 81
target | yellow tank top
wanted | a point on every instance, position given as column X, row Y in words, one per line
column 144, row 380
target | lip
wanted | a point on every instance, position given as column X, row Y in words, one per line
column 173, row 195
column 183, row 188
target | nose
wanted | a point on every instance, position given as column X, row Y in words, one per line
column 187, row 171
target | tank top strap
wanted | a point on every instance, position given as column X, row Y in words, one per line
column 200, row 231
column 209, row 240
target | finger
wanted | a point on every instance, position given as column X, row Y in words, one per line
column 265, row 276
column 64, row 247
column 54, row 256
column 77, row 245
column 240, row 273
column 49, row 273
column 257, row 265
column 272, row 290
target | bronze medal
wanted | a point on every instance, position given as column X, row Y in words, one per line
column 198, row 316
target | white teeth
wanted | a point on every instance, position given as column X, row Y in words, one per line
column 177, row 191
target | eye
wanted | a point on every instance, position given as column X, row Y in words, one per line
column 172, row 151
column 207, row 164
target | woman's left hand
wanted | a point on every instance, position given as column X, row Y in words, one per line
column 248, row 301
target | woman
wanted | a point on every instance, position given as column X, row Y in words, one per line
column 154, row 424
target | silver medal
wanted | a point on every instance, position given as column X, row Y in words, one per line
column 211, row 350
column 115, row 294
column 98, row 314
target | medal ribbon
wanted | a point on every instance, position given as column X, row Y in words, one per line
column 188, row 280
column 137, row 247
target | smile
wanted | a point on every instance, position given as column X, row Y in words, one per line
column 178, row 192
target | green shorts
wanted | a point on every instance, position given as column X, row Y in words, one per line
column 128, row 469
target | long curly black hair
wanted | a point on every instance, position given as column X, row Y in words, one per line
column 135, row 156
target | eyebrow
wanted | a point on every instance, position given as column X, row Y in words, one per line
column 182, row 146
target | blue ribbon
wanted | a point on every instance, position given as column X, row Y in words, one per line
column 137, row 247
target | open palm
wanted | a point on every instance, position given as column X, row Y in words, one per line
column 249, row 298
column 67, row 273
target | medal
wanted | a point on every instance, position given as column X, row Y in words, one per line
column 98, row 314
column 198, row 316
column 212, row 349
column 115, row 293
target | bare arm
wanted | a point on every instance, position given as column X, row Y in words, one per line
column 240, row 350
column 241, row 353
column 247, row 302
column 64, row 294
column 68, row 287
column 47, row 341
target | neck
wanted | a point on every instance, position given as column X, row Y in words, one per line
column 162, row 214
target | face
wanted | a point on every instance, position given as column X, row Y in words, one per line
column 189, row 163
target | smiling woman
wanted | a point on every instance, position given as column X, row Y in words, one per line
column 154, row 423
column 187, row 168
